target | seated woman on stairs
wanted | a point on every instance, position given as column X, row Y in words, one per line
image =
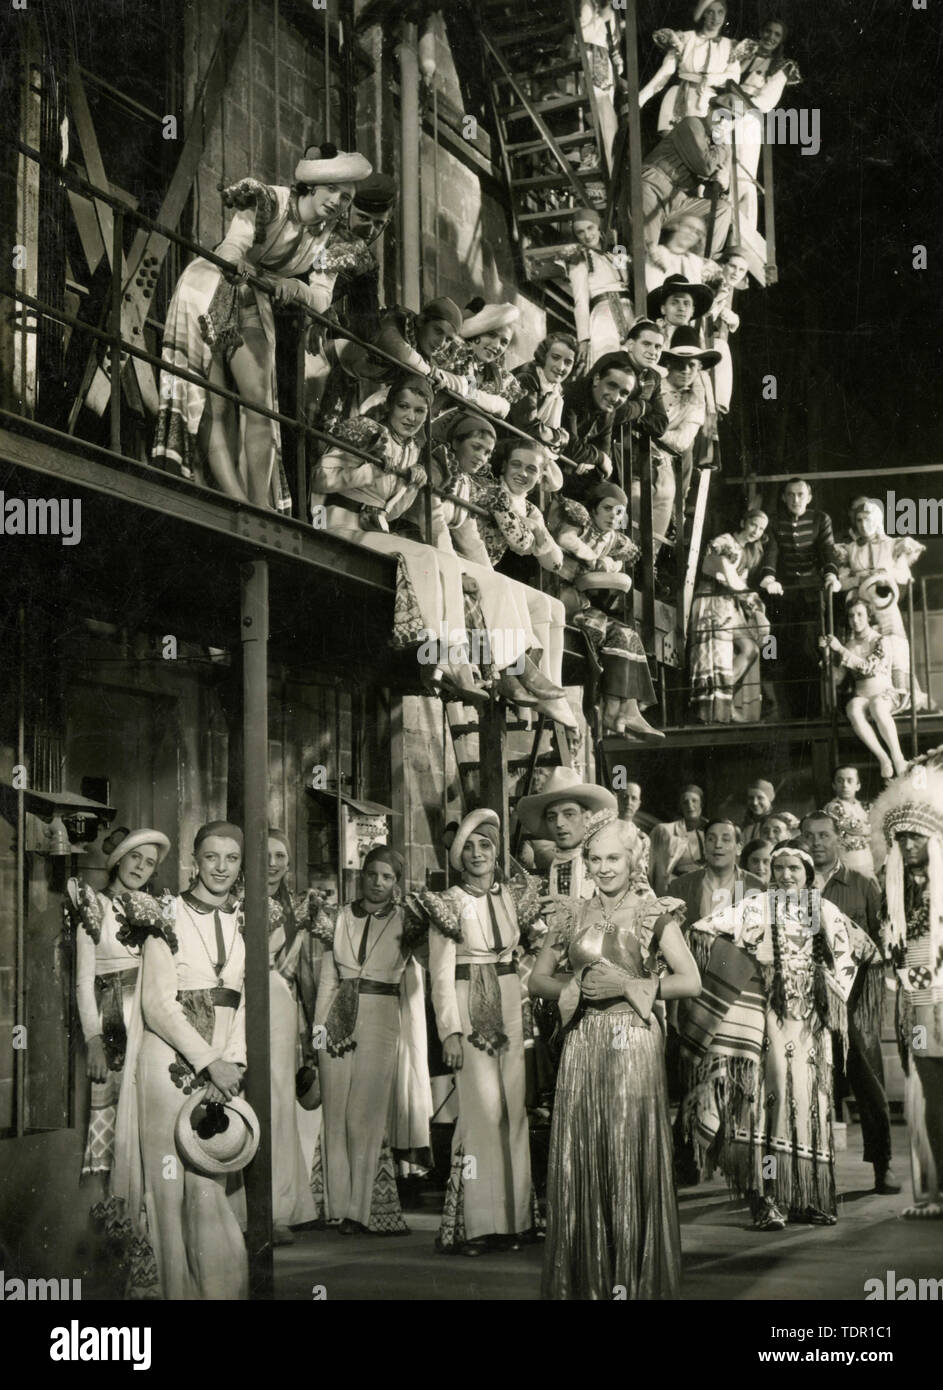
column 596, row 553
column 361, row 501
column 515, row 523
column 496, row 606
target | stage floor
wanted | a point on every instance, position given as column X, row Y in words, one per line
column 724, row 1258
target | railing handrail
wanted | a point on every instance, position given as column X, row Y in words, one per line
column 323, row 320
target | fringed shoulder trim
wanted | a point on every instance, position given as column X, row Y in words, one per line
column 81, row 908
column 525, row 891
column 425, row 909
column 669, row 41
column 250, row 193
column 140, row 915
column 317, row 917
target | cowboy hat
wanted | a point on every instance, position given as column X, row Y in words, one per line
column 488, row 319
column 702, row 295
column 475, row 820
column 563, row 784
column 134, row 840
column 327, row 164
column 685, row 345
column 227, row 1151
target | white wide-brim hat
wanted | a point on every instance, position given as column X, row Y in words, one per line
column 134, row 841
column 338, row 166
column 489, row 320
column 228, row 1152
column 563, row 784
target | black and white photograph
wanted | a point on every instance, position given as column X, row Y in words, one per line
column 471, row 691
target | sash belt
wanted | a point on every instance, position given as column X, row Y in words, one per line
column 220, row 997
column 376, row 987
column 463, row 972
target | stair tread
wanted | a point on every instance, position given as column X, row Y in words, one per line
column 550, row 215
column 523, row 146
column 561, row 103
column 528, row 35
column 556, row 180
column 551, row 70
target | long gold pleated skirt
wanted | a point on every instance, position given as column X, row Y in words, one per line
column 612, row 1219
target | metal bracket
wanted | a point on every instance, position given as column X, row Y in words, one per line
column 269, row 531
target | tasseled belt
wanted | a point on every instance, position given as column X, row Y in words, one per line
column 484, row 1004
column 109, row 991
column 342, row 1016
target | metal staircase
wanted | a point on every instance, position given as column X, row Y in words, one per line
column 547, row 128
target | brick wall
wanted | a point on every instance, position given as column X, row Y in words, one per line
column 236, row 144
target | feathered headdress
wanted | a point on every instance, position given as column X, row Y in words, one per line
column 914, row 802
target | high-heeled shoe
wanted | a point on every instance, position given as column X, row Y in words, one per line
column 559, row 711
column 534, row 680
column 634, row 725
column 457, row 681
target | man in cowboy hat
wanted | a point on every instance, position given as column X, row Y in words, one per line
column 559, row 813
column 684, row 158
column 685, row 398
column 908, row 817
column 676, row 302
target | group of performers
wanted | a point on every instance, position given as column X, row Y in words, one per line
column 756, row 985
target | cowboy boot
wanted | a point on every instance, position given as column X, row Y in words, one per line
column 559, row 711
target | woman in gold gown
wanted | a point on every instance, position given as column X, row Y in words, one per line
column 612, row 1214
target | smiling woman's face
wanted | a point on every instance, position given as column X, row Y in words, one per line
column 478, row 856
column 488, row 347
column 521, row 472
column 218, row 861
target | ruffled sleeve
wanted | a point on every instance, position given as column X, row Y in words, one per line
column 250, row 193
column 81, row 909
column 140, row 915
column 906, row 553
column 318, row 917
column 648, row 912
column 425, row 909
column 744, row 51
column 669, row 41
column 793, row 75
column 525, row 894
column 346, row 254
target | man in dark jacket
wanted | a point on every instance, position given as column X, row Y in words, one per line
column 357, row 295
column 686, row 157
column 645, row 408
column 800, row 561
column 592, row 408
column 859, row 898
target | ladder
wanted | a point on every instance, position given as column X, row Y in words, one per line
column 497, row 757
column 545, row 117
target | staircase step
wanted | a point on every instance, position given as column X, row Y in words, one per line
column 552, row 215
column 520, row 113
column 578, row 137
column 513, row 726
column 551, row 70
column 528, row 35
column 555, row 180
